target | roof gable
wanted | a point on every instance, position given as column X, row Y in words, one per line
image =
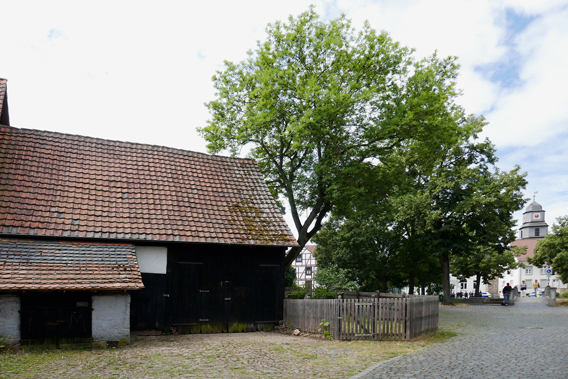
column 55, row 184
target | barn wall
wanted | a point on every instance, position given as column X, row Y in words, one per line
column 10, row 318
column 220, row 288
column 148, row 305
column 111, row 319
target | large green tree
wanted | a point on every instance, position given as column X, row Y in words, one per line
column 473, row 202
column 454, row 207
column 317, row 102
column 553, row 249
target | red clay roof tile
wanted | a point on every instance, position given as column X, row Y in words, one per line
column 67, row 185
column 41, row 265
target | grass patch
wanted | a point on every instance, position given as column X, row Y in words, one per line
column 439, row 336
column 214, row 357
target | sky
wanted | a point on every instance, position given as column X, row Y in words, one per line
column 141, row 71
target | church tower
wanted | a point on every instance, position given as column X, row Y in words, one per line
column 533, row 222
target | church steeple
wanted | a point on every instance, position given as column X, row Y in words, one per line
column 533, row 222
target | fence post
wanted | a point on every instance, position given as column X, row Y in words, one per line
column 407, row 309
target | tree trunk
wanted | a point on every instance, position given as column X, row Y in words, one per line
column 295, row 251
column 411, row 284
column 477, row 283
column 384, row 284
column 446, row 273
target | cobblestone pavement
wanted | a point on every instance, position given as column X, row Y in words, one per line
column 527, row 340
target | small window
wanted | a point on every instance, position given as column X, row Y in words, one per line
column 543, row 270
column 299, row 258
column 537, row 232
column 308, row 271
column 528, row 270
column 463, row 285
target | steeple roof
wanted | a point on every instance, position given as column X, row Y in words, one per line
column 534, row 206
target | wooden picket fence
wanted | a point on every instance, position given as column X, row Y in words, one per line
column 389, row 318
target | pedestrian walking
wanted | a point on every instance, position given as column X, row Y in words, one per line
column 523, row 288
column 536, row 286
column 506, row 293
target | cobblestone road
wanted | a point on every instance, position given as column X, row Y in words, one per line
column 527, row 340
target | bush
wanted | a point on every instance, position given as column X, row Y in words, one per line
column 290, row 276
column 323, row 293
column 316, row 293
column 299, row 292
column 564, row 295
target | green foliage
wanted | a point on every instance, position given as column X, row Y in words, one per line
column 334, row 279
column 456, row 207
column 553, row 249
column 315, row 293
column 324, row 329
column 299, row 292
column 289, row 276
column 323, row 293
column 317, row 103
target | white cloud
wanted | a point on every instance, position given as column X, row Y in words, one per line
column 139, row 71
column 536, row 110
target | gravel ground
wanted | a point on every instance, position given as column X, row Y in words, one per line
column 237, row 355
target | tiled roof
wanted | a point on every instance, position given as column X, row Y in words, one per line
column 530, row 243
column 49, row 265
column 54, row 184
column 311, row 248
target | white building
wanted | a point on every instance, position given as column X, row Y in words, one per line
column 533, row 229
column 467, row 286
column 305, row 265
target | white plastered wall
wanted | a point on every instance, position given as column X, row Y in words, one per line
column 111, row 317
column 10, row 318
column 152, row 259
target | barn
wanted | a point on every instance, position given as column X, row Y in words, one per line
column 100, row 237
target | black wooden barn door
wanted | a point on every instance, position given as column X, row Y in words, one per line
column 187, row 297
column 267, row 296
column 147, row 306
column 200, row 303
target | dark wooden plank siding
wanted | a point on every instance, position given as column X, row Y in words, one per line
column 217, row 289
column 148, row 305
